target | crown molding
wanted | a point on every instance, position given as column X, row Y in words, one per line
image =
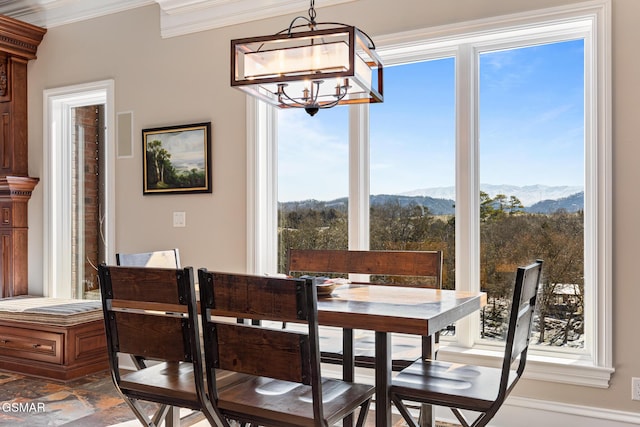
column 53, row 13
column 177, row 17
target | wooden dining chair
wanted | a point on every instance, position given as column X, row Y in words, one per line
column 152, row 313
column 388, row 268
column 283, row 387
column 469, row 387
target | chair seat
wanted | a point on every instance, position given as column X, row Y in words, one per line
column 450, row 384
column 171, row 379
column 285, row 403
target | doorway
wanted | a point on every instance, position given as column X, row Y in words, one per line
column 78, row 187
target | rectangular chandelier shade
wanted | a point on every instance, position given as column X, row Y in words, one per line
column 324, row 58
column 262, row 66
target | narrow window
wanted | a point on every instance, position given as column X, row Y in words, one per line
column 313, row 181
column 532, row 184
column 413, row 162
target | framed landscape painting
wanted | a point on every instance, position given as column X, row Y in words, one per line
column 177, row 159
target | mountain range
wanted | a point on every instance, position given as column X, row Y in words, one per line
column 440, row 200
column 528, row 194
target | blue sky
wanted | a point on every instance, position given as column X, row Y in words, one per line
column 531, row 127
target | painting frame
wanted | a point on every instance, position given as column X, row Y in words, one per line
column 177, row 159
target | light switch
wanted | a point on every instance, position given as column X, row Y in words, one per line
column 179, row 219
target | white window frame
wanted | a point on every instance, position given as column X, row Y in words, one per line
column 57, row 158
column 464, row 41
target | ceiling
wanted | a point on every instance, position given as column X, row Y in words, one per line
column 177, row 17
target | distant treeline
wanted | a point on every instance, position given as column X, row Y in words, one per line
column 573, row 203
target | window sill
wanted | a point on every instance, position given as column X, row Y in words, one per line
column 565, row 369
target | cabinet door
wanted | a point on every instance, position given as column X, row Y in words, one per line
column 31, row 344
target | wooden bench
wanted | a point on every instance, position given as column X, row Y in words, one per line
column 53, row 338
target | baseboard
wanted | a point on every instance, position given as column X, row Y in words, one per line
column 516, row 410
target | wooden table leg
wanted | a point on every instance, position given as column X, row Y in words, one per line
column 383, row 379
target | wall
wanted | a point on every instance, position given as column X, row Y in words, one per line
column 186, row 80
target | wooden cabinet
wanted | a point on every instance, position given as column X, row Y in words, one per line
column 15, row 192
column 53, row 351
column 18, row 44
column 31, row 345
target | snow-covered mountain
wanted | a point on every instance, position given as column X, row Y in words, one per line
column 528, row 195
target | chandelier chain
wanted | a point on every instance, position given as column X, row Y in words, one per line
column 312, row 12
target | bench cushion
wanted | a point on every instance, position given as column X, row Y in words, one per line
column 50, row 311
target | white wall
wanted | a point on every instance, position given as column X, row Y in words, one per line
column 186, row 80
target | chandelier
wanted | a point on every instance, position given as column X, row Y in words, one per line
column 311, row 69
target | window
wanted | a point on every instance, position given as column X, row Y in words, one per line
column 531, row 137
column 412, row 166
column 465, row 58
column 313, row 181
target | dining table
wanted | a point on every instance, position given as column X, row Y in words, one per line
column 395, row 309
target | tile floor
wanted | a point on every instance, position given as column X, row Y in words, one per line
column 91, row 401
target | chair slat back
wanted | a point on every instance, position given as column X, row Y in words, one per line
column 413, row 264
column 255, row 297
column 243, row 348
column 169, row 258
column 151, row 337
column 159, row 285
column 255, row 349
column 522, row 311
column 146, row 311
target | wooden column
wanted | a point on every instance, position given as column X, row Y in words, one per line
column 14, row 194
column 18, row 44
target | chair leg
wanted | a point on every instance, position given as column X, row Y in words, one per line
column 214, row 416
column 460, row 417
column 403, row 411
column 158, row 417
column 192, row 418
column 484, row 418
column 364, row 411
